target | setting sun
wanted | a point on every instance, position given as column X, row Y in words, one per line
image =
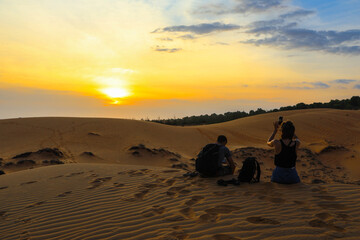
column 113, row 87
column 115, row 94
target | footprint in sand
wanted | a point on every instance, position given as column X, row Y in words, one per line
column 134, row 173
column 98, row 182
column 261, row 197
column 222, row 209
column 209, row 218
column 301, row 203
column 261, row 220
column 23, row 220
column 331, row 198
column 118, row 184
column 56, row 177
column 276, row 200
column 64, row 194
column 224, row 237
column 170, row 171
column 175, row 218
column 24, row 235
column 74, row 174
column 323, row 215
column 141, row 195
column 225, row 193
column 177, row 234
column 170, row 182
column 194, row 200
column 150, row 185
column 248, row 193
column 320, row 190
column 155, row 210
column 321, row 224
column 2, row 214
column 25, row 183
column 185, row 191
column 93, row 175
column 173, row 191
column 188, row 212
column 343, row 216
column 336, row 206
column 1, row 188
column 35, row 204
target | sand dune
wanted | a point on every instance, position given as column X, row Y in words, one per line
column 123, row 179
column 105, row 201
column 331, row 134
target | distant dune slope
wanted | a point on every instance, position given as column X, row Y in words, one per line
column 108, row 140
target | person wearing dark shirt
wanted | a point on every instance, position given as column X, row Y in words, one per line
column 224, row 157
column 285, row 153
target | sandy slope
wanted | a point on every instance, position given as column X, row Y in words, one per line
column 140, row 193
column 109, row 140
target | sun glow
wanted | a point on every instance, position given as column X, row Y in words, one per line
column 116, row 92
column 114, row 88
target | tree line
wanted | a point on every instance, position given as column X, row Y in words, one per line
column 348, row 104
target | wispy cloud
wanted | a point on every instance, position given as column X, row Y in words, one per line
column 344, row 81
column 307, row 85
column 335, row 84
column 319, row 85
column 166, row 39
column 288, row 37
column 187, row 37
column 297, row 13
column 168, row 50
column 222, row 43
column 240, row 6
column 202, row 28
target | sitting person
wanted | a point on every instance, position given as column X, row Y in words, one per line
column 285, row 153
column 211, row 158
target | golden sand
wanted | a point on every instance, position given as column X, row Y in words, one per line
column 123, row 179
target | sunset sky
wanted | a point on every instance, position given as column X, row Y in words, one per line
column 164, row 58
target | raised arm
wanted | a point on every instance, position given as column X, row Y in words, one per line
column 270, row 141
column 298, row 142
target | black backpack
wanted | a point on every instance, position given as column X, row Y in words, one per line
column 208, row 159
column 249, row 168
column 246, row 174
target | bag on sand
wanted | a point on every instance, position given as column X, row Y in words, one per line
column 250, row 172
column 207, row 160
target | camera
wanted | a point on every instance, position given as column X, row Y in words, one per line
column 280, row 120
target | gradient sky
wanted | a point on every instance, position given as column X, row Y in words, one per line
column 149, row 59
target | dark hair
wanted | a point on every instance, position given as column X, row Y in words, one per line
column 222, row 139
column 287, row 130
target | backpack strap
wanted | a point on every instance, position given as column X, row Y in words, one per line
column 258, row 171
column 223, row 182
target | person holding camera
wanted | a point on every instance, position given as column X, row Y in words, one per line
column 285, row 153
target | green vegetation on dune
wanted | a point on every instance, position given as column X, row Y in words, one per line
column 347, row 104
